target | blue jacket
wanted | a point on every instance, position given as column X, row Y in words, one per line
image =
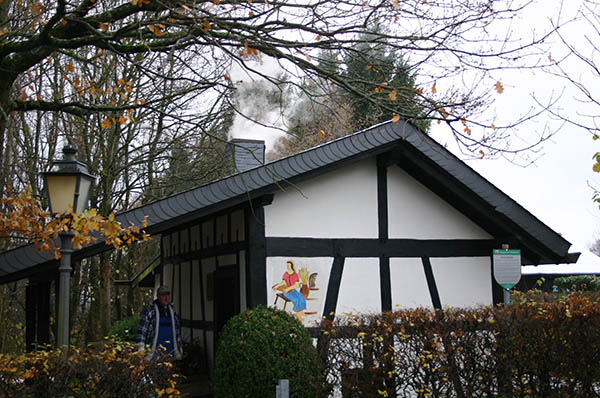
column 148, row 328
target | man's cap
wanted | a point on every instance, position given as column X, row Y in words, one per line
column 163, row 290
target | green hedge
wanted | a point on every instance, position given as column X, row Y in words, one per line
column 539, row 347
column 259, row 347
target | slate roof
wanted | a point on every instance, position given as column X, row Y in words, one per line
column 399, row 142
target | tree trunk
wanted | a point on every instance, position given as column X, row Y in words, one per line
column 105, row 294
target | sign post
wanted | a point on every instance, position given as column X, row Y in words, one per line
column 507, row 269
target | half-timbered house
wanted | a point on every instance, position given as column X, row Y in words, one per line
column 377, row 220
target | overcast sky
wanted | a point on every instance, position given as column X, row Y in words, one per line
column 556, row 187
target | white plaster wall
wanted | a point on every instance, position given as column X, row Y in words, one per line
column 210, row 349
column 409, row 284
column 175, row 287
column 339, row 204
column 197, row 308
column 227, row 259
column 416, row 212
column 242, row 272
column 185, row 308
column 463, row 281
column 208, row 267
column 186, row 334
column 237, row 226
column 359, row 288
column 168, row 279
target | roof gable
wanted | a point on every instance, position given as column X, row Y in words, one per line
column 397, row 143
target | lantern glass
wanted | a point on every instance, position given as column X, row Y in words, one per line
column 61, row 192
column 83, row 193
column 68, row 183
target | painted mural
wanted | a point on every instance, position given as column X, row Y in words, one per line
column 298, row 286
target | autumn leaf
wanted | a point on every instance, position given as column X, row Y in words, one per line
column 393, row 95
column 499, row 87
column 433, row 88
column 396, row 4
column 396, row 118
column 37, row 8
column 70, row 68
column 156, row 29
column 106, row 123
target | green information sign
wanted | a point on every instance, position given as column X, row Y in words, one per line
column 507, row 267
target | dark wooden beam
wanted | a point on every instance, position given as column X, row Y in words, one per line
column 385, row 283
column 256, row 265
column 315, row 247
column 433, row 290
column 333, row 288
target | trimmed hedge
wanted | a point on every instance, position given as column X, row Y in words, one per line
column 115, row 370
column 259, row 347
column 539, row 347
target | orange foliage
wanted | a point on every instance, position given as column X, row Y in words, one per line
column 23, row 218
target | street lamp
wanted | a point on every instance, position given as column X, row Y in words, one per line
column 68, row 184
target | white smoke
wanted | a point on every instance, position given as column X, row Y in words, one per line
column 262, row 107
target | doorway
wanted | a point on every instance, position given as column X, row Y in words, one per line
column 226, row 296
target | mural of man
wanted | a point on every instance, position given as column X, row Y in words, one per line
column 290, row 286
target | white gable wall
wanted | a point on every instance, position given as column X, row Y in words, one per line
column 340, row 204
column 343, row 204
column 359, row 289
column 463, row 281
column 416, row 212
column 409, row 285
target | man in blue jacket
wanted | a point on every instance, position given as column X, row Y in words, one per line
column 159, row 328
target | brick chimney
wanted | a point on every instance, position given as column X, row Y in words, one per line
column 245, row 154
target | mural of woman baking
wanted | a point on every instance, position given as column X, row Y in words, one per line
column 290, row 286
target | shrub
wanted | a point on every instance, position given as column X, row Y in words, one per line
column 125, row 329
column 115, row 370
column 193, row 359
column 539, row 347
column 581, row 283
column 259, row 347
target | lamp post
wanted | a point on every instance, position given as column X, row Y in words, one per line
column 68, row 184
